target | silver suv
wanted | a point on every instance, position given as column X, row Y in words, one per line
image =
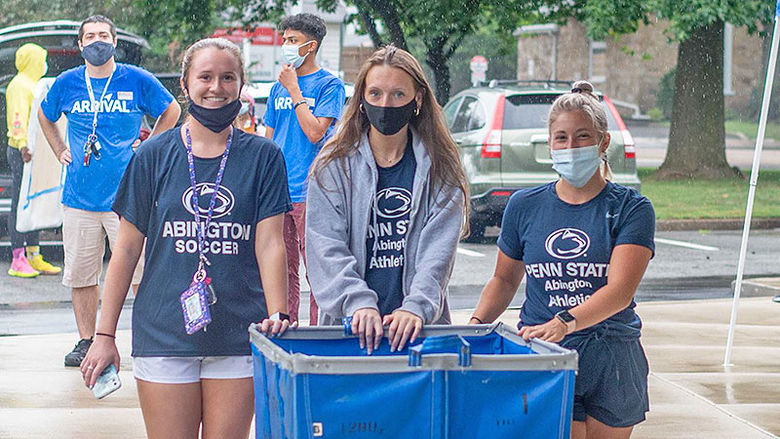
column 501, row 130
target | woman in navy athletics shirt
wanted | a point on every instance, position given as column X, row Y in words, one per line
column 209, row 199
column 584, row 243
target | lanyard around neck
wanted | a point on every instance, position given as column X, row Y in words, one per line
column 203, row 225
column 96, row 108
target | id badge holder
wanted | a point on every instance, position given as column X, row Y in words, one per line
column 195, row 304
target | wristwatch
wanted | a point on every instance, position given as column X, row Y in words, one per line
column 279, row 316
column 568, row 320
column 301, row 102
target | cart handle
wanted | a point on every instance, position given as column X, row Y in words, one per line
column 441, row 344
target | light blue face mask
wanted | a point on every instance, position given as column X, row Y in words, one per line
column 291, row 56
column 576, row 165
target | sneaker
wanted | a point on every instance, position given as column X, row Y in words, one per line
column 20, row 267
column 37, row 263
column 76, row 356
column 776, row 299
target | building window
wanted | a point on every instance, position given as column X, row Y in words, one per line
column 597, row 62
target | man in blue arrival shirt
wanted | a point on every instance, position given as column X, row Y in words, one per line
column 302, row 110
column 104, row 102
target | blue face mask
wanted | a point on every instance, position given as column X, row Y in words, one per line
column 291, row 56
column 576, row 165
column 98, row 53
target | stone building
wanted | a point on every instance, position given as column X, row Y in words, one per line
column 628, row 68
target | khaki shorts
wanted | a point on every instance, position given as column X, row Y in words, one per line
column 83, row 238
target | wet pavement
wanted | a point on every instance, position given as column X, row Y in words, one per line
column 692, row 395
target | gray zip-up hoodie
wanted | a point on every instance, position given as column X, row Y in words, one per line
column 338, row 206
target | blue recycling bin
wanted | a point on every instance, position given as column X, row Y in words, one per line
column 480, row 381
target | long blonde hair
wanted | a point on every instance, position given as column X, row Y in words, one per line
column 429, row 124
column 582, row 99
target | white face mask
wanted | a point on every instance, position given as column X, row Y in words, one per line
column 576, row 165
column 291, row 56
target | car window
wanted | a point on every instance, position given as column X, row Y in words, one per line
column 478, row 117
column 450, row 109
column 460, row 124
column 530, row 111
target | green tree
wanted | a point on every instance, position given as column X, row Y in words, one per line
column 440, row 26
column 697, row 147
column 24, row 11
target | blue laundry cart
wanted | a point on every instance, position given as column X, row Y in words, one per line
column 456, row 382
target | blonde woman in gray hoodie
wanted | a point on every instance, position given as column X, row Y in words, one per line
column 387, row 203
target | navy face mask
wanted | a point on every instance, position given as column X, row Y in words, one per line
column 389, row 120
column 98, row 53
column 215, row 119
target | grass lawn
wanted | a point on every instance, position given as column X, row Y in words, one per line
column 750, row 129
column 711, row 198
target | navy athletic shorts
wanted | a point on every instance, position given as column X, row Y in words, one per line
column 611, row 384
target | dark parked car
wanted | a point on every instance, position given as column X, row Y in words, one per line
column 501, row 130
column 60, row 39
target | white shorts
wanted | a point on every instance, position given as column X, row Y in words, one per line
column 184, row 370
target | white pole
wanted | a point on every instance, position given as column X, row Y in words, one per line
column 770, row 75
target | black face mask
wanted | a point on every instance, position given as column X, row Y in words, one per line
column 98, row 53
column 215, row 119
column 389, row 120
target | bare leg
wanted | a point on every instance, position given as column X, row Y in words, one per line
column 85, row 304
column 171, row 411
column 599, row 430
column 578, row 430
column 228, row 407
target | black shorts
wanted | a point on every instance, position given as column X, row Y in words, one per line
column 611, row 383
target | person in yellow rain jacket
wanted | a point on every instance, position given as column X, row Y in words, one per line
column 31, row 66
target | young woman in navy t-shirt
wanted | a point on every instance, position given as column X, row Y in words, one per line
column 584, row 244
column 209, row 201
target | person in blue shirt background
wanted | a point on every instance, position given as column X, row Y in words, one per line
column 584, row 244
column 104, row 102
column 302, row 110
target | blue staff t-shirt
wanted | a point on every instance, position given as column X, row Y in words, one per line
column 566, row 248
column 324, row 94
column 155, row 195
column 387, row 226
column 131, row 93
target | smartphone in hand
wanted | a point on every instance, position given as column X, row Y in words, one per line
column 107, row 382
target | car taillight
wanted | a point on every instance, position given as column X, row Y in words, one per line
column 491, row 147
column 501, row 193
column 629, row 148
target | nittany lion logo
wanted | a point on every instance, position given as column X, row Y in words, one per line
column 567, row 243
column 393, row 202
column 222, row 205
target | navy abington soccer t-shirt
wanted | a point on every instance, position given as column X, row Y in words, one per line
column 387, row 231
column 566, row 249
column 155, row 195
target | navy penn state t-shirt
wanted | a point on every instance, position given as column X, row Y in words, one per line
column 566, row 248
column 155, row 195
column 386, row 240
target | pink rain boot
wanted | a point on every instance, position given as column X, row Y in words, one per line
column 20, row 267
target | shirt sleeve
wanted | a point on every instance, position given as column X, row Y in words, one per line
column 51, row 105
column 509, row 240
column 134, row 198
column 273, row 197
column 269, row 119
column 18, row 101
column 155, row 98
column 331, row 100
column 638, row 226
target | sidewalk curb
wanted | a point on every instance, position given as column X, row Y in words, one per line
column 674, row 225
